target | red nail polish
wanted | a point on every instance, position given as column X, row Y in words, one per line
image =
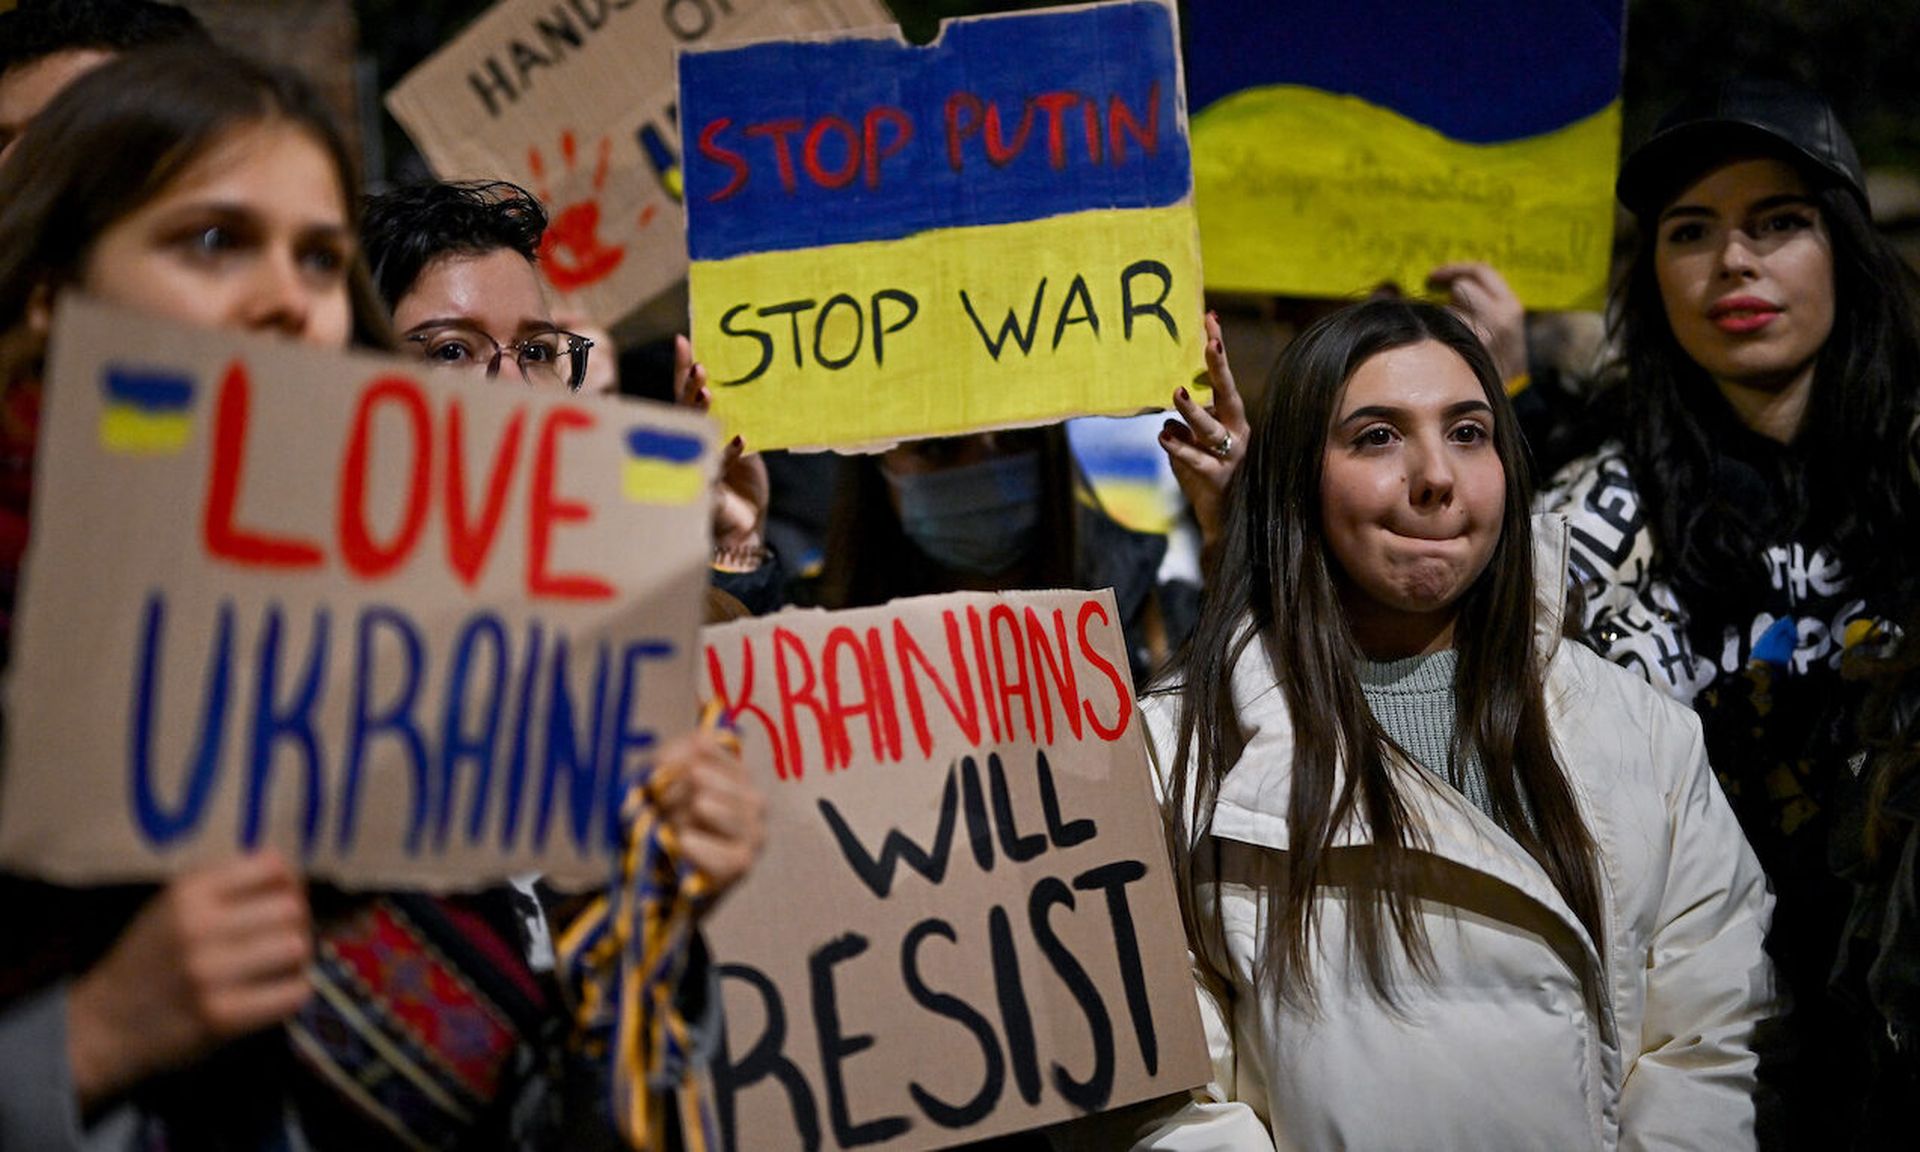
column 1184, row 394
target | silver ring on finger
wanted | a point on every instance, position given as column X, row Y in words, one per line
column 1223, row 447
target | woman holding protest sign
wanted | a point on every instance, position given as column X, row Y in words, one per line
column 994, row 511
column 1452, row 882
column 1750, row 519
column 205, row 189
column 1009, row 509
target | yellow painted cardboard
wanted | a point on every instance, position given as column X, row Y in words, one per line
column 1357, row 195
column 1094, row 313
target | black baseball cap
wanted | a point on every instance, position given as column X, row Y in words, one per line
column 1733, row 118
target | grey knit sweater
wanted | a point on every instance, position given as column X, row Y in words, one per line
column 1413, row 700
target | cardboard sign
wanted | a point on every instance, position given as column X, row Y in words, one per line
column 891, row 241
column 1341, row 143
column 965, row 922
column 575, row 101
column 408, row 627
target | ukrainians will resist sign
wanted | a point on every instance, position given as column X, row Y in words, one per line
column 891, row 241
column 1341, row 143
column 410, row 629
column 965, row 922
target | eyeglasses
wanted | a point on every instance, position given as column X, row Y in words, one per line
column 550, row 357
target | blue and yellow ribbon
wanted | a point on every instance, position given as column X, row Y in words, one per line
column 625, row 959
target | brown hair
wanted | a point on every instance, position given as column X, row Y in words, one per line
column 120, row 134
column 1275, row 584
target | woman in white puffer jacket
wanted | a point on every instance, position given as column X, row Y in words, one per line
column 1452, row 882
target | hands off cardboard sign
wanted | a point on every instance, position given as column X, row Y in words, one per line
column 574, row 101
column 407, row 627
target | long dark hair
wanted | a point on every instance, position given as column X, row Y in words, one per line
column 1846, row 479
column 119, row 135
column 1277, row 586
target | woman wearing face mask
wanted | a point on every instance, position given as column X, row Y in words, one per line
column 999, row 511
column 222, row 1010
column 994, row 511
column 1452, row 882
column 1750, row 519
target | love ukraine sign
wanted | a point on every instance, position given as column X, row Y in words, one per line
column 406, row 627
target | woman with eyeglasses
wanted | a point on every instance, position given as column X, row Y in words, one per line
column 458, row 265
column 208, row 1013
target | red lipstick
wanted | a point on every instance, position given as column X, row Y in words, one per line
column 1739, row 315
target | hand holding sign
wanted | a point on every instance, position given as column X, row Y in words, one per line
column 742, row 492
column 1482, row 296
column 219, row 953
column 718, row 816
column 1207, row 449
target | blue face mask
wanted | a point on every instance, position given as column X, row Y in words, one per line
column 978, row 518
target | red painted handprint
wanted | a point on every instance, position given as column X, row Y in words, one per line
column 571, row 253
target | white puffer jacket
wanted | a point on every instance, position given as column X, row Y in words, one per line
column 1526, row 1037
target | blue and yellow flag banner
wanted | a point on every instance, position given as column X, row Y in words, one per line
column 145, row 411
column 663, row 467
column 891, row 241
column 1342, row 143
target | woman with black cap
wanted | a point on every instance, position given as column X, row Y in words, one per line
column 1751, row 518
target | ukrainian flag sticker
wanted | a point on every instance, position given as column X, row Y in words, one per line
column 662, row 467
column 147, row 412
